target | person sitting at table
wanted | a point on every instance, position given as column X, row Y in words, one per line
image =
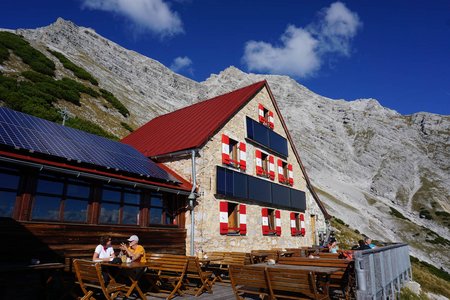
column 366, row 245
column 332, row 246
column 134, row 251
column 104, row 250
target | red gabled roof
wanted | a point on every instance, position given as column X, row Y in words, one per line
column 192, row 126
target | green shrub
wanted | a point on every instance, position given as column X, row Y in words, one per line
column 29, row 55
column 115, row 102
column 4, row 53
column 77, row 71
column 126, row 126
column 397, row 214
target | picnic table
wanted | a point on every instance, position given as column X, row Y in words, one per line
column 127, row 270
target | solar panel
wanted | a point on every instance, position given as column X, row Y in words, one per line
column 23, row 131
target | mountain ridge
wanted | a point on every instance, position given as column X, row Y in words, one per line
column 366, row 161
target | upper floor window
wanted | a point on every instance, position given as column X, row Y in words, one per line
column 233, row 153
column 285, row 173
column 265, row 116
column 9, row 185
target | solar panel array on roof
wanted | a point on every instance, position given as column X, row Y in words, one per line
column 23, row 131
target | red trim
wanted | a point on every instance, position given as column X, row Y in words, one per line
column 223, row 205
column 225, row 149
column 278, row 220
column 259, row 169
column 265, row 214
column 242, row 226
column 184, row 186
column 293, row 225
column 302, row 228
column 242, row 161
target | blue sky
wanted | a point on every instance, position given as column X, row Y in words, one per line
column 397, row 52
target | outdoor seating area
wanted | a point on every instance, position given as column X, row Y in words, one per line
column 265, row 274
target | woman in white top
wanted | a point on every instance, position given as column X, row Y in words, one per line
column 104, row 251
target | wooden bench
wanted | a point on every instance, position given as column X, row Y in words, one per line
column 248, row 280
column 167, row 272
column 220, row 267
column 201, row 279
column 293, row 284
column 259, row 256
column 342, row 281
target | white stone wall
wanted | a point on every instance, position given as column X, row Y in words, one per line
column 207, row 233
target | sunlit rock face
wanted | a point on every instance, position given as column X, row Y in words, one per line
column 383, row 173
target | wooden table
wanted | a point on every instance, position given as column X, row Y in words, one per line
column 325, row 272
column 134, row 278
column 23, row 280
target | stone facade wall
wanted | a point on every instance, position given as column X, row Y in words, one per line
column 207, row 233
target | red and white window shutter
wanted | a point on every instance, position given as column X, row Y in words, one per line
column 261, row 113
column 280, row 171
column 302, row 225
column 225, row 149
column 291, row 175
column 242, row 156
column 278, row 222
column 271, row 167
column 242, row 219
column 293, row 224
column 265, row 221
column 271, row 124
column 259, row 169
column 223, row 217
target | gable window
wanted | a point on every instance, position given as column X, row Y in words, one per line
column 297, row 224
column 271, row 221
column 233, row 218
column 265, row 116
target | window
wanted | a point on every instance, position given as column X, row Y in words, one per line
column 297, row 224
column 160, row 211
column 120, row 206
column 265, row 164
column 271, row 221
column 285, row 172
column 9, row 184
column 60, row 199
column 233, row 219
column 233, row 153
column 234, row 156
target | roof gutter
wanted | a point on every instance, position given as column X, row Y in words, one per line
column 92, row 176
column 181, row 153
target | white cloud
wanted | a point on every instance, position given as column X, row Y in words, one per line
column 181, row 63
column 302, row 50
column 152, row 15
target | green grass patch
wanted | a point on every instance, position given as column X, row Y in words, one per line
column 90, row 127
column 77, row 71
column 115, row 102
column 29, row 55
column 430, row 278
